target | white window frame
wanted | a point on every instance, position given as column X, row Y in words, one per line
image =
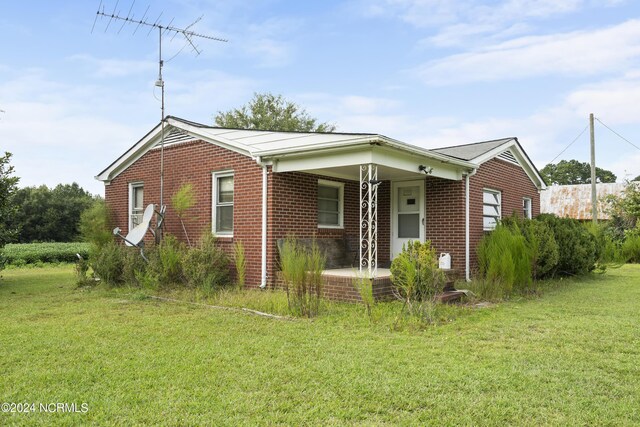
column 499, row 205
column 214, row 201
column 340, row 187
column 527, row 207
column 132, row 187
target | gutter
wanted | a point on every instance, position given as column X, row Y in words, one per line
column 263, row 277
column 467, row 243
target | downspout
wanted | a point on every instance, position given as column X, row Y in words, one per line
column 263, row 280
column 467, row 243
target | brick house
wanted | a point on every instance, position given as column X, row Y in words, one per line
column 369, row 191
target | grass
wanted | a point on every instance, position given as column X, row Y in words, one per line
column 568, row 358
column 20, row 254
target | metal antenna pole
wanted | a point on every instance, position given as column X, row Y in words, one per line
column 161, row 82
column 187, row 33
column 594, row 197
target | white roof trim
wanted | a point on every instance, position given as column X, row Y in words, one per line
column 332, row 141
column 519, row 154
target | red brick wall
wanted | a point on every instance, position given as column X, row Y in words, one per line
column 445, row 205
column 293, row 210
column 292, row 202
column 194, row 162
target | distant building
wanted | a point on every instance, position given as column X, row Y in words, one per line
column 574, row 201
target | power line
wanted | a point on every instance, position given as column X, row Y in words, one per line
column 619, row 136
column 570, row 144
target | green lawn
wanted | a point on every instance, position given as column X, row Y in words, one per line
column 571, row 357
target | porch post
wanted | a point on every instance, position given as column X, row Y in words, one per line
column 369, row 219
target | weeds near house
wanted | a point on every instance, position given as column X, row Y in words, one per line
column 505, row 260
column 631, row 248
column 206, row 266
column 302, row 274
column 241, row 264
column 364, row 286
column 417, row 279
column 183, row 200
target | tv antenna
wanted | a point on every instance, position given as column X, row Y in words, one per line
column 188, row 34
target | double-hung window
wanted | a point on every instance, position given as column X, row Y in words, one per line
column 222, row 211
column 136, row 203
column 491, row 209
column 526, row 208
column 330, row 204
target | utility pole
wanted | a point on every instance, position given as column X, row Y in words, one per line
column 594, row 201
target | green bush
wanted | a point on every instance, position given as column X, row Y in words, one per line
column 415, row 272
column 541, row 242
column 505, row 260
column 107, row 262
column 96, row 224
column 302, row 275
column 607, row 249
column 206, row 266
column 165, row 261
column 631, row 248
column 577, row 247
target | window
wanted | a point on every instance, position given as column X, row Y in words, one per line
column 136, row 204
column 330, row 204
column 526, row 208
column 491, row 209
column 222, row 220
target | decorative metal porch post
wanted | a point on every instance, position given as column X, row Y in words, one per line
column 369, row 219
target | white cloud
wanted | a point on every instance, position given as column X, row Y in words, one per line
column 578, row 53
column 105, row 68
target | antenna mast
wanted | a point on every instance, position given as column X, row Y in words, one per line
column 186, row 32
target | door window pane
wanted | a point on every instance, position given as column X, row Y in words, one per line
column 409, row 226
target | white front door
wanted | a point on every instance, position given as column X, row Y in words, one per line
column 407, row 220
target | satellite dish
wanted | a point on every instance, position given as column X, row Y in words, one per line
column 136, row 235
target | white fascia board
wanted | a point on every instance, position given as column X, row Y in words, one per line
column 519, row 154
column 326, row 160
column 368, row 140
column 352, row 156
column 150, row 140
column 131, row 155
column 384, row 156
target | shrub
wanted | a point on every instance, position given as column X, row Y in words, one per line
column 631, row 248
column 95, row 224
column 165, row 262
column 541, row 242
column 107, row 262
column 417, row 280
column 607, row 250
column 577, row 247
column 415, row 272
column 302, row 275
column 505, row 260
column 241, row 264
column 206, row 266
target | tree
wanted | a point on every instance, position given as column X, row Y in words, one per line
column 270, row 112
column 574, row 172
column 47, row 215
column 637, row 178
column 8, row 188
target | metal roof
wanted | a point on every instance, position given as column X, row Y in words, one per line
column 272, row 145
column 574, row 201
column 474, row 150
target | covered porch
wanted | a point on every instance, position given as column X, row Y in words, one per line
column 387, row 218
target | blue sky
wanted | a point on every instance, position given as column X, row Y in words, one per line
column 427, row 72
